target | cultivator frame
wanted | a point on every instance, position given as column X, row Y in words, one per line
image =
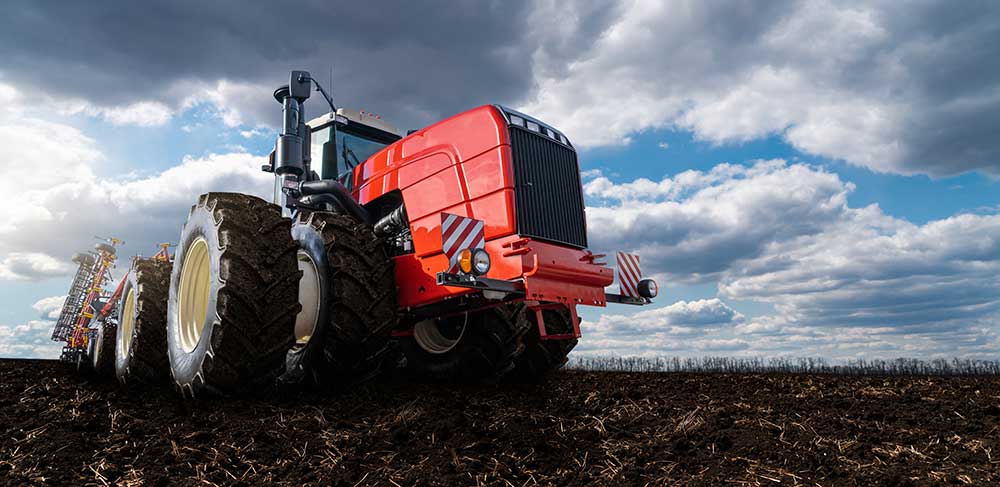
column 73, row 324
column 74, row 300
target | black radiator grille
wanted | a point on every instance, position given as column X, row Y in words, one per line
column 547, row 189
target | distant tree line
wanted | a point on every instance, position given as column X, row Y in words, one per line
column 808, row 365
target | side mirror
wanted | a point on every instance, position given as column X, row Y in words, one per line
column 299, row 84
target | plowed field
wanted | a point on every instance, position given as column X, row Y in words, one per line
column 582, row 428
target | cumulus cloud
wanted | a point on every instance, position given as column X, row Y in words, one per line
column 678, row 318
column 694, row 226
column 141, row 113
column 73, row 202
column 49, row 308
column 841, row 280
column 682, row 327
column 868, row 269
column 143, row 212
column 871, row 84
column 31, row 265
column 29, row 340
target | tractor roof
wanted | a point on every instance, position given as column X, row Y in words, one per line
column 356, row 116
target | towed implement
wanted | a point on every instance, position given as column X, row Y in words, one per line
column 99, row 326
column 87, row 303
column 455, row 252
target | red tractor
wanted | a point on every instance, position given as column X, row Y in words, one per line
column 456, row 252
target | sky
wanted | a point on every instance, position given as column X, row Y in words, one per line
column 803, row 178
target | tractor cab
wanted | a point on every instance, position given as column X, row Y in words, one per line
column 337, row 141
column 343, row 140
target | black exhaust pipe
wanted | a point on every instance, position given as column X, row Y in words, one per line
column 335, row 193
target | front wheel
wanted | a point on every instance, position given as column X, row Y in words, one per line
column 471, row 347
column 348, row 298
column 542, row 357
column 233, row 296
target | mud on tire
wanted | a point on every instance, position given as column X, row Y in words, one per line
column 357, row 297
column 140, row 347
column 541, row 357
column 231, row 322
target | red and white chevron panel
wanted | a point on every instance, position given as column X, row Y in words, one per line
column 460, row 232
column 629, row 274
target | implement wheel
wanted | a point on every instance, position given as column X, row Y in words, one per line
column 141, row 343
column 82, row 362
column 233, row 296
column 102, row 349
column 473, row 347
column 348, row 298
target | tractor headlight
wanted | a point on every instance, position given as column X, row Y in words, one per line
column 480, row 262
column 647, row 288
column 474, row 261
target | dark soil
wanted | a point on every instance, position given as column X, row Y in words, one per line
column 60, row 428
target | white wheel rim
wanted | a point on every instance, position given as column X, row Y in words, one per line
column 97, row 344
column 309, row 298
column 429, row 337
column 193, row 293
column 127, row 324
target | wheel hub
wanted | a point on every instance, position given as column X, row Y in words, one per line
column 309, row 298
column 127, row 324
column 193, row 294
column 98, row 339
column 439, row 336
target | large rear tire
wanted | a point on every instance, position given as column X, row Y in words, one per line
column 141, row 343
column 473, row 347
column 233, row 296
column 348, row 297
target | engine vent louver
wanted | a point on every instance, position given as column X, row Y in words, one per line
column 547, row 188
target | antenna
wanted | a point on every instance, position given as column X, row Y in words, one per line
column 320, row 89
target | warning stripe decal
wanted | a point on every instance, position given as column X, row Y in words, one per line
column 629, row 274
column 460, row 232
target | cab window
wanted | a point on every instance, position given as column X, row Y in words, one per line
column 336, row 161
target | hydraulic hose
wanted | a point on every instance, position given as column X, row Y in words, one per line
column 393, row 223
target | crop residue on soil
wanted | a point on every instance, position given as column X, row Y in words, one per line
column 59, row 428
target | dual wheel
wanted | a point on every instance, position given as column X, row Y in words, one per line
column 132, row 345
column 140, row 339
column 254, row 297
